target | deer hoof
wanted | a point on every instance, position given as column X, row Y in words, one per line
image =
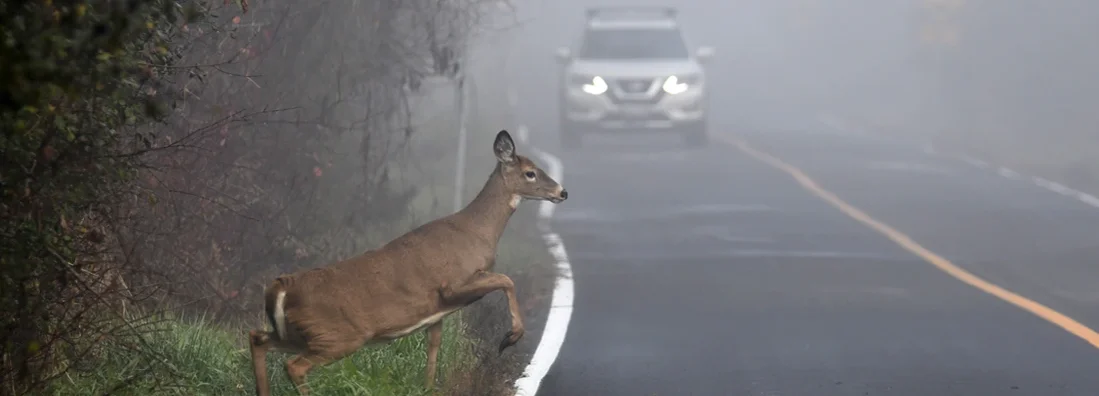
column 510, row 339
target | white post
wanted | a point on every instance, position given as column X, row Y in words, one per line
column 460, row 164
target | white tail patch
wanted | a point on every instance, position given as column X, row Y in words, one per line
column 279, row 314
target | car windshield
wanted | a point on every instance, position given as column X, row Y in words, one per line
column 620, row 44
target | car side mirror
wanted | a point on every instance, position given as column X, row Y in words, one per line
column 563, row 54
column 704, row 54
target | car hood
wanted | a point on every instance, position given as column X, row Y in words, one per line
column 630, row 69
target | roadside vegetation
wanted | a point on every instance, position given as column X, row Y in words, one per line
column 161, row 161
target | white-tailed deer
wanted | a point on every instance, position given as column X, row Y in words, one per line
column 411, row 283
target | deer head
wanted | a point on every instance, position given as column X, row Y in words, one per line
column 522, row 177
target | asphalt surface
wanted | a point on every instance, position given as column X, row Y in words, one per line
column 707, row 272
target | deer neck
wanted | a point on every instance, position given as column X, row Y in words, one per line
column 491, row 209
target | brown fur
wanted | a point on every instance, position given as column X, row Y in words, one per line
column 407, row 285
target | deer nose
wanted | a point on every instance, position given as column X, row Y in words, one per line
column 564, row 194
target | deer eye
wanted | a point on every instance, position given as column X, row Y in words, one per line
column 530, row 175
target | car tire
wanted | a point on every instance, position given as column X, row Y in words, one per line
column 697, row 135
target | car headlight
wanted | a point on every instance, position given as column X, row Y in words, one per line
column 595, row 86
column 674, row 85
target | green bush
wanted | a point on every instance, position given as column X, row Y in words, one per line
column 77, row 80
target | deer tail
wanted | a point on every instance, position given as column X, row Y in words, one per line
column 275, row 306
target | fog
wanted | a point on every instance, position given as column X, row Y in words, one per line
column 199, row 152
column 1009, row 79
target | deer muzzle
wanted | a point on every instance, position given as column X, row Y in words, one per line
column 561, row 196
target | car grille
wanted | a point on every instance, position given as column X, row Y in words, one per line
column 648, row 117
column 638, row 100
column 634, row 85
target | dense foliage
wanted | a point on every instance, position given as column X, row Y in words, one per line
column 176, row 154
column 78, row 79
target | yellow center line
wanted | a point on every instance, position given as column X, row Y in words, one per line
column 1072, row 326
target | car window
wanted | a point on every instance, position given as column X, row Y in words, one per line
column 620, row 44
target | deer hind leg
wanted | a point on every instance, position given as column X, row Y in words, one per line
column 434, row 340
column 298, row 367
column 319, row 352
column 480, row 284
column 261, row 342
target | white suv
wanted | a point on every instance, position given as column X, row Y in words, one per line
column 632, row 72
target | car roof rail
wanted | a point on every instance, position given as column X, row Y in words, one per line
column 631, row 11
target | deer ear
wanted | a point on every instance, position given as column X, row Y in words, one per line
column 504, row 147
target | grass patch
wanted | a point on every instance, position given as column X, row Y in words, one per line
column 196, row 357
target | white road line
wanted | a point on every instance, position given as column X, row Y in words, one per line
column 1088, row 199
column 835, row 122
column 557, row 322
column 1008, row 173
column 976, row 162
column 1048, row 185
column 1053, row 186
column 1045, row 184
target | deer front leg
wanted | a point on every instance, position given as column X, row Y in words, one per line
column 434, row 340
column 477, row 286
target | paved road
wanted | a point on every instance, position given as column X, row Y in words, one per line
column 710, row 273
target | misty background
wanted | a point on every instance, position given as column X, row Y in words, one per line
column 1011, row 81
column 181, row 162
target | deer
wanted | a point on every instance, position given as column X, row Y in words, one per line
column 410, row 283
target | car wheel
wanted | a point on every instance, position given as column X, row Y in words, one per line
column 697, row 135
